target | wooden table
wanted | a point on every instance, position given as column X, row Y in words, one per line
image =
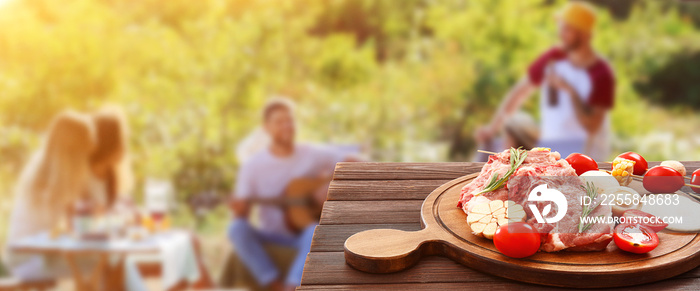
column 108, row 272
column 366, row 196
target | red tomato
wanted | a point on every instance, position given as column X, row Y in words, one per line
column 635, row 238
column 582, row 163
column 517, row 240
column 640, row 164
column 635, row 216
column 695, row 180
column 662, row 179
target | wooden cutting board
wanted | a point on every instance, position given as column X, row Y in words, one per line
column 445, row 233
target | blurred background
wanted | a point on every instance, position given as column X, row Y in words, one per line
column 404, row 81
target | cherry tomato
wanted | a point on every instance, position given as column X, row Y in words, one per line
column 640, row 164
column 635, row 238
column 695, row 180
column 582, row 163
column 662, row 179
column 635, row 216
column 517, row 240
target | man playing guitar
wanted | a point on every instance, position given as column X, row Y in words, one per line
column 264, row 177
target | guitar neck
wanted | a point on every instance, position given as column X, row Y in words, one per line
column 280, row 201
column 298, row 192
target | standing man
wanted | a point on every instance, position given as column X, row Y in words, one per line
column 265, row 176
column 577, row 90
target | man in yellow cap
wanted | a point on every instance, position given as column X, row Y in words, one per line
column 577, row 90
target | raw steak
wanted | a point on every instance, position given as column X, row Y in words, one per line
column 499, row 164
column 544, row 167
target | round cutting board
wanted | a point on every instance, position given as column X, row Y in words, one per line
column 446, row 233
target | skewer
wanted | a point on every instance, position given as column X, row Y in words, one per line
column 686, row 177
column 635, row 176
column 642, row 177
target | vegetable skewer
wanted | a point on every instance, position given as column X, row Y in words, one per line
column 635, row 176
column 685, row 177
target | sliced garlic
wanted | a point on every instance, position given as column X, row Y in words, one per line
column 485, row 218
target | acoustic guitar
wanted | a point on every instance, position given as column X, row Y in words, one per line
column 309, row 195
column 301, row 202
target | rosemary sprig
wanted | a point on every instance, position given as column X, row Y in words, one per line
column 587, row 225
column 591, row 192
column 517, row 157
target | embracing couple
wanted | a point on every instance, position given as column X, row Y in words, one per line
column 82, row 160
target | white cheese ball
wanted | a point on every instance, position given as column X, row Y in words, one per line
column 600, row 179
column 619, row 208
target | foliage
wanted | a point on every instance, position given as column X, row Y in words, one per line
column 676, row 82
column 410, row 80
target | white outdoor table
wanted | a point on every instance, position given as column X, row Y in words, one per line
column 109, row 272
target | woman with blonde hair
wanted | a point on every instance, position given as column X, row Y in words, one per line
column 53, row 180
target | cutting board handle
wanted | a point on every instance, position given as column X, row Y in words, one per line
column 388, row 250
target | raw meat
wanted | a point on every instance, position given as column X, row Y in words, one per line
column 499, row 164
column 543, row 167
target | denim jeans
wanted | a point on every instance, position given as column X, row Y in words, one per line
column 249, row 243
